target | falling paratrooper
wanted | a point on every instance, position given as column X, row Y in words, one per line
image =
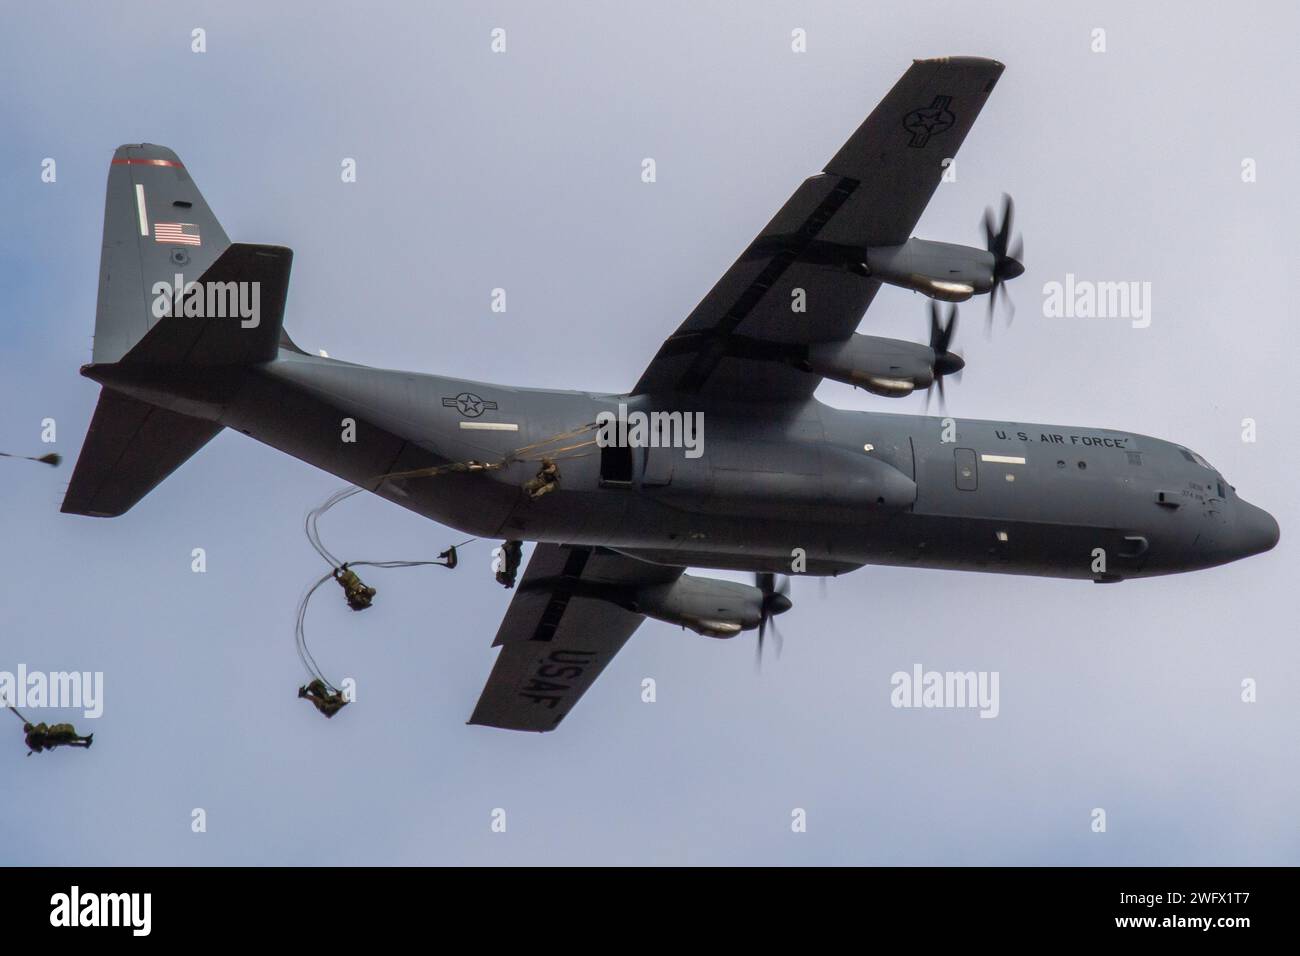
column 328, row 702
column 323, row 695
column 42, row 736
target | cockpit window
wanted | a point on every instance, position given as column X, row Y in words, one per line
column 1195, row 458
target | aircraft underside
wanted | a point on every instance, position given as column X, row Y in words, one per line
column 719, row 456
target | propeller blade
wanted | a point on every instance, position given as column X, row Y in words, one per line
column 1006, row 255
column 946, row 361
column 950, row 329
column 774, row 602
column 1008, row 214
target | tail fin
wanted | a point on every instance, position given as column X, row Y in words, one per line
column 161, row 237
column 233, row 314
column 156, row 224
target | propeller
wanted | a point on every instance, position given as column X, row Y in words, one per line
column 775, row 602
column 1006, row 255
column 946, row 361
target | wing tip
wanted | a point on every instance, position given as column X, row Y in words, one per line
column 963, row 61
column 68, row 508
column 502, row 725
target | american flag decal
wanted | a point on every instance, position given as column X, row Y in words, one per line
column 177, row 233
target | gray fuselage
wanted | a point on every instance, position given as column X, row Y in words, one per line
column 782, row 487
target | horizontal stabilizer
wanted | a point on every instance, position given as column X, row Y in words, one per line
column 130, row 448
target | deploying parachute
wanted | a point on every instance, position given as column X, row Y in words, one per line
column 42, row 736
column 324, row 695
column 53, row 458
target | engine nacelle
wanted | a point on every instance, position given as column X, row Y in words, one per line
column 941, row 270
column 707, row 606
column 889, row 367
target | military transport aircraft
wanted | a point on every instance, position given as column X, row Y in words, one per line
column 777, row 482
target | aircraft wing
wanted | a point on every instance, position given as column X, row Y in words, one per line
column 554, row 640
column 870, row 194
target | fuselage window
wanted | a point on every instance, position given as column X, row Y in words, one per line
column 966, row 473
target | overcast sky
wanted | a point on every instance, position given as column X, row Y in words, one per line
column 522, row 170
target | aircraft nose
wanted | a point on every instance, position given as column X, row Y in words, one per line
column 1259, row 531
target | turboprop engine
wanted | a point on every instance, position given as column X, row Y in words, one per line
column 707, row 606
column 953, row 273
column 940, row 270
column 890, row 367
